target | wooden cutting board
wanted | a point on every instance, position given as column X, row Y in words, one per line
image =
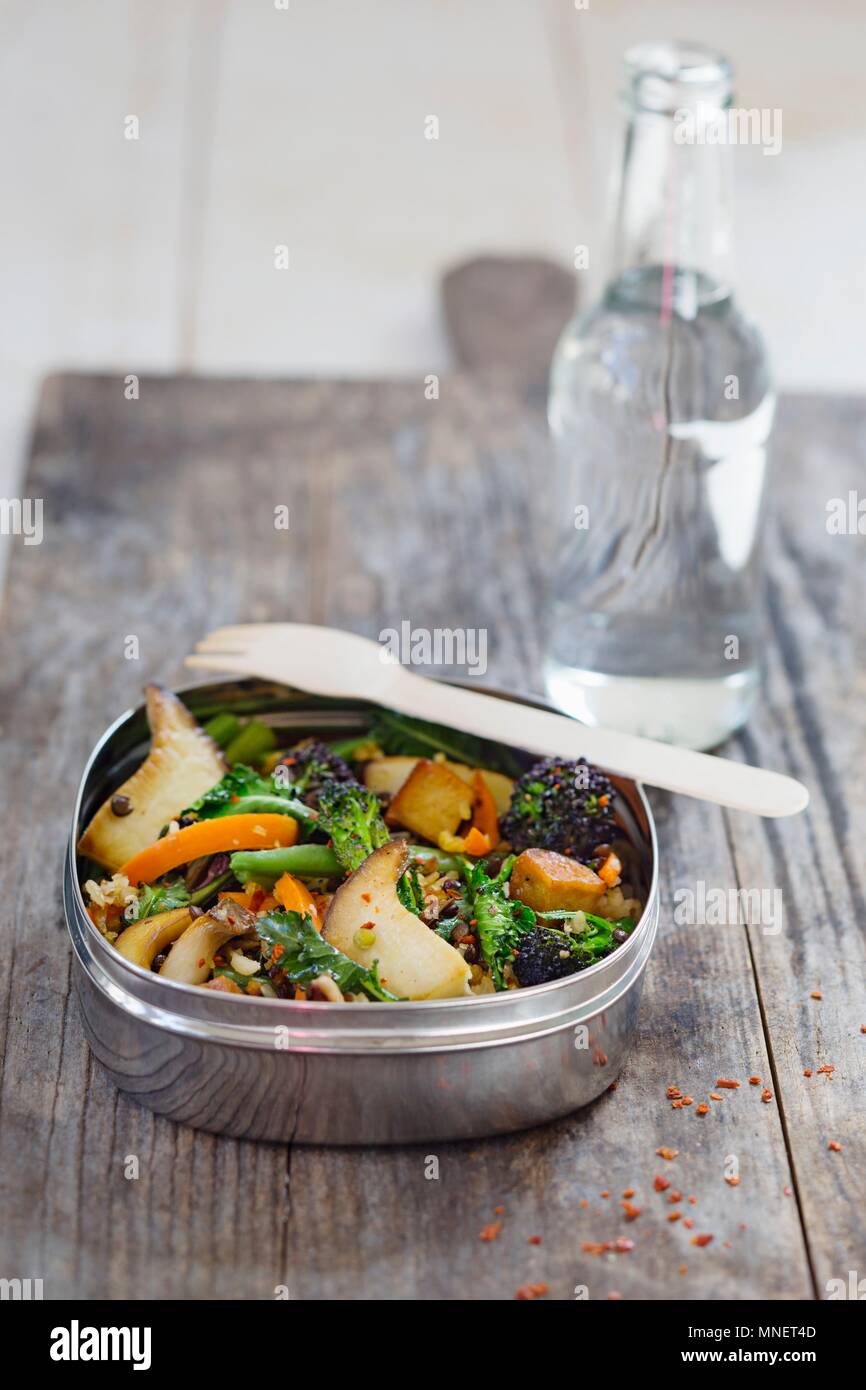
column 158, row 525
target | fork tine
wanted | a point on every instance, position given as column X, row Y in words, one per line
column 239, row 636
column 225, row 636
column 226, row 662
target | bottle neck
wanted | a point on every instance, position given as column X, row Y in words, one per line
column 672, row 241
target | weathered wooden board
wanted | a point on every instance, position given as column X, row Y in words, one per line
column 159, row 525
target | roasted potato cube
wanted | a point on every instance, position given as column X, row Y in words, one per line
column 499, row 786
column 551, row 882
column 388, row 775
column 432, row 800
column 385, row 776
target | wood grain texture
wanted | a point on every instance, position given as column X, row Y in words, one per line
column 158, row 524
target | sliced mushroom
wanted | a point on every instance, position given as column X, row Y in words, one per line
column 142, row 942
column 368, row 923
column 190, row 960
column 182, row 764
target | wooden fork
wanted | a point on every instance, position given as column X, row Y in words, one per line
column 325, row 661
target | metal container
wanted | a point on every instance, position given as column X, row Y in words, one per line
column 321, row 1073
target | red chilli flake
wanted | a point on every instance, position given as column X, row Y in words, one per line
column 863, row 1027
column 629, row 1192
column 683, row 1269
column 604, row 1194
column 807, row 1071
column 766, row 1095
column 674, row 1197
column 827, row 1069
column 535, row 1240
column 725, row 1084
column 754, row 1081
column 715, row 1096
column 701, row 1240
column 816, row 994
column 490, row 1232
column 674, row 1092
column 529, row 1291
column 688, row 1222
column 702, row 1109
column 669, row 1154
column 732, row 1182
column 836, row 1147
column 621, row 1246
column 631, row 1211
column 661, row 1184
column 674, row 1215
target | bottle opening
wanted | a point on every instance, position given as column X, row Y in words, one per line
column 667, row 76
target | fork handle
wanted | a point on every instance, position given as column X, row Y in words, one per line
column 721, row 780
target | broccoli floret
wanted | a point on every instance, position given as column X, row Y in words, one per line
column 311, row 767
column 548, row 953
column 351, row 817
column 545, row 955
column 563, row 806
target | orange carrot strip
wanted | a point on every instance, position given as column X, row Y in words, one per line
column 476, row 843
column 223, row 834
column 294, row 896
column 484, row 817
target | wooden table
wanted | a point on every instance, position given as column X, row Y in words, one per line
column 158, row 525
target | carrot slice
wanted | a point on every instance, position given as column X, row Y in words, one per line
column 610, row 870
column 223, row 834
column 476, row 843
column 295, row 896
column 484, row 817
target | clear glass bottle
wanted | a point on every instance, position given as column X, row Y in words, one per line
column 661, row 406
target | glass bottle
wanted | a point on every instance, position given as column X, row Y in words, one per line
column 660, row 407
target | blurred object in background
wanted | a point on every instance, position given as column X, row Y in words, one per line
column 508, row 312
column 660, row 407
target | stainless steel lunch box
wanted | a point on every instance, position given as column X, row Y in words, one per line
column 348, row 1074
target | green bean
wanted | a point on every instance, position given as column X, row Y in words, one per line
column 223, row 728
column 265, row 866
column 272, row 805
column 347, row 746
column 202, row 894
column 251, row 744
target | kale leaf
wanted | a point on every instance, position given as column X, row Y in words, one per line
column 296, row 953
column 499, row 922
column 398, row 734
